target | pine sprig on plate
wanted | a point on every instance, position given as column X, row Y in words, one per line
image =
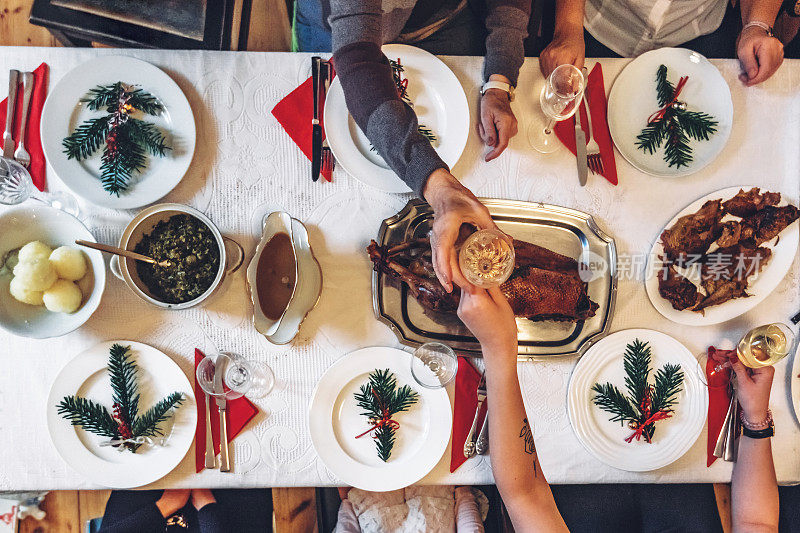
column 645, row 403
column 124, row 422
column 127, row 138
column 674, row 124
column 381, row 399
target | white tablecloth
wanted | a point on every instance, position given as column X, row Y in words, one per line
column 245, row 166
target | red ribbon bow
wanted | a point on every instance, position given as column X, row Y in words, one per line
column 638, row 432
column 658, row 115
column 385, row 420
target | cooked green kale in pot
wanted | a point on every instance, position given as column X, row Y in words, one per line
column 188, row 244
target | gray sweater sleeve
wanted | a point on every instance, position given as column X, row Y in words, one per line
column 371, row 95
column 507, row 27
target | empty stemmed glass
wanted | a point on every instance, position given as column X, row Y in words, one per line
column 239, row 376
column 560, row 98
column 16, row 186
column 434, row 365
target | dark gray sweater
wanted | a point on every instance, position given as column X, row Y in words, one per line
column 360, row 27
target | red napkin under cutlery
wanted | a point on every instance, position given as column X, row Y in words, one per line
column 33, row 141
column 719, row 397
column 295, row 112
column 596, row 97
column 240, row 412
column 466, row 401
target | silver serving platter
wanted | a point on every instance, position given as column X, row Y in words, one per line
column 563, row 230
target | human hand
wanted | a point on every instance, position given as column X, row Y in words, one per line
column 172, row 501
column 201, row 498
column 752, row 388
column 759, row 54
column 489, row 317
column 566, row 48
column 453, row 205
column 496, row 122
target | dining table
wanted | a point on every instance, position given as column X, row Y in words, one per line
column 246, row 166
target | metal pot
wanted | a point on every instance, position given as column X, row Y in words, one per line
column 142, row 224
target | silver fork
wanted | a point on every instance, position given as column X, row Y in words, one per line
column 469, row 444
column 593, row 158
column 21, row 154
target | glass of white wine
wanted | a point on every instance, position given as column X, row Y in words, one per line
column 486, row 258
column 761, row 346
column 560, row 98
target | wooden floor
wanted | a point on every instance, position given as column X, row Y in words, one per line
column 68, row 511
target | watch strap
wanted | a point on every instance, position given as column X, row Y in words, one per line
column 759, row 433
column 505, row 87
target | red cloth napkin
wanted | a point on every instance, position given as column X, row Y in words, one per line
column 596, row 96
column 33, row 141
column 466, row 401
column 719, row 397
column 295, row 113
column 240, row 412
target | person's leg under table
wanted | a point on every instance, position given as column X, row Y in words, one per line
column 311, row 26
column 602, row 508
column 685, row 508
column 248, row 510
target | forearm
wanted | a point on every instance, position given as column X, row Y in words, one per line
column 569, row 17
column 760, row 10
column 515, row 465
column 754, row 487
column 507, row 27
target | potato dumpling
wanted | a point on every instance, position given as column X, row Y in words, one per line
column 35, row 275
column 63, row 297
column 33, row 251
column 70, row 263
column 22, row 294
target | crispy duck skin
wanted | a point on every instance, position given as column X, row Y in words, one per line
column 693, row 234
column 746, row 203
column 677, row 289
column 544, row 285
column 768, row 222
column 735, row 263
column 730, row 234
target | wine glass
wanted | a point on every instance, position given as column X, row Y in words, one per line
column 486, row 258
column 16, row 186
column 560, row 98
column 761, row 346
column 434, row 365
column 239, row 376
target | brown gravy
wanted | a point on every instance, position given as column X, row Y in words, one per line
column 275, row 276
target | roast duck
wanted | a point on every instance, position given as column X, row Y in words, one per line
column 544, row 285
column 739, row 254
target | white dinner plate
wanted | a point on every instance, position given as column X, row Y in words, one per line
column 633, row 99
column 63, row 112
column 335, row 419
column 87, row 375
column 439, row 102
column 760, row 286
column 605, row 439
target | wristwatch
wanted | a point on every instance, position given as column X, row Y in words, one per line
column 758, row 430
column 791, row 8
column 506, row 87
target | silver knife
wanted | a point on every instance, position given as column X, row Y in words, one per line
column 316, row 127
column 8, row 139
column 580, row 148
column 222, row 402
column 211, row 460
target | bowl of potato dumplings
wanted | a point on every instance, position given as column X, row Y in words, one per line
column 49, row 286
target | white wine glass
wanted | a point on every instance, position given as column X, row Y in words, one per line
column 240, row 377
column 486, row 258
column 761, row 346
column 560, row 98
column 16, row 186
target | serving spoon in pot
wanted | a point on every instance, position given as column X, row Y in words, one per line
column 125, row 253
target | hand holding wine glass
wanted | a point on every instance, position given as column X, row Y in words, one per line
column 560, row 98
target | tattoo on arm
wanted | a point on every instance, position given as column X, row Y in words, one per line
column 527, row 436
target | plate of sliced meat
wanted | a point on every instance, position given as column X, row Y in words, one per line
column 562, row 289
column 722, row 255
